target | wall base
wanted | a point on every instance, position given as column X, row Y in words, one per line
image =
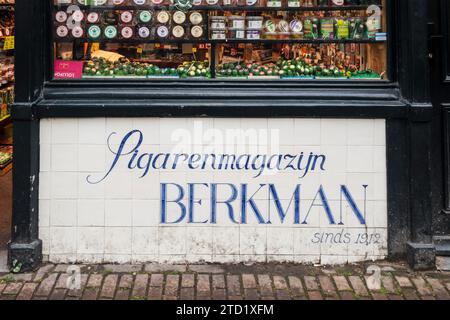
column 421, row 256
column 25, row 256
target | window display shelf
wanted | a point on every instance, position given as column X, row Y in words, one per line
column 222, row 8
column 224, row 41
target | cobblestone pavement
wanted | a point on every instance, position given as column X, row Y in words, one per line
column 233, row 282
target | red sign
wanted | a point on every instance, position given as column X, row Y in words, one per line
column 68, row 69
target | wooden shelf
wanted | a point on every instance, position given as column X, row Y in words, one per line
column 219, row 8
column 5, row 169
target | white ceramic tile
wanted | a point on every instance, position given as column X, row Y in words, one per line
column 145, row 241
column 91, row 213
column 63, row 213
column 174, row 131
column 63, row 240
column 360, row 159
column 307, row 132
column 44, row 185
column 380, row 132
column 336, row 159
column 64, row 157
column 360, row 132
column 333, row 132
column 45, row 131
column 150, row 128
column 307, row 241
column 92, row 131
column 118, row 213
column 45, row 157
column 91, row 158
column 64, row 185
column 285, row 128
column 87, row 190
column 90, row 240
column 253, row 240
column 65, row 131
column 118, row 241
column 44, row 235
column 199, row 240
column 146, row 213
column 44, row 213
column 280, row 241
column 119, row 186
column 172, row 240
column 226, row 240
column 379, row 159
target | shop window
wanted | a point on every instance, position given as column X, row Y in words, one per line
column 220, row 39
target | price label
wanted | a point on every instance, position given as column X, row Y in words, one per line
column 9, row 43
column 139, row 50
column 194, row 50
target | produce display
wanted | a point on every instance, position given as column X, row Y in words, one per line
column 101, row 67
column 290, row 69
column 311, row 39
column 6, row 155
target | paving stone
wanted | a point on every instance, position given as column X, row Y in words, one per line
column 428, row 298
column 315, row 295
column 233, row 286
column 42, row 272
column 140, row 285
column 207, row 268
column 218, row 281
column 279, row 283
column 126, row 281
column 422, row 286
column 296, row 286
column 265, row 285
column 203, row 285
column 311, row 283
column 388, row 284
column 404, row 282
column 438, row 288
column 327, row 285
column 90, row 294
column 24, row 277
column 156, row 280
column 248, row 281
column 77, row 292
column 447, row 285
column 155, row 293
column 219, row 294
column 122, row 294
column 410, row 294
column 61, row 268
column 188, row 280
column 172, row 284
column 12, row 288
column 95, row 281
column 162, row 268
column 46, row 286
column 234, row 297
column 394, row 297
column 62, row 281
column 283, row 294
column 342, row 283
column 251, row 294
column 379, row 296
column 109, row 286
column 2, row 286
column 187, row 293
column 123, row 268
column 358, row 286
column 27, row 291
column 347, row 295
column 58, row 294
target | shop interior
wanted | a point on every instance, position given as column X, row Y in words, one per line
column 6, row 127
column 225, row 39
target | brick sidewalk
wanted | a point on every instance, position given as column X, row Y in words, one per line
column 233, row 282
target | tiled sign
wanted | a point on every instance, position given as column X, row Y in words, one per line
column 214, row 190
